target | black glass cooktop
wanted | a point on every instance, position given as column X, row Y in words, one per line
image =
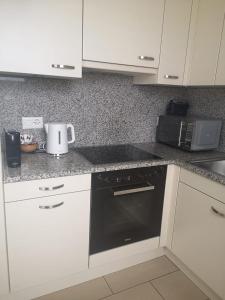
column 114, row 154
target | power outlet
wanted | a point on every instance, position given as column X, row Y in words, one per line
column 32, row 122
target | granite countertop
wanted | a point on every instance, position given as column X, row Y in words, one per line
column 42, row 165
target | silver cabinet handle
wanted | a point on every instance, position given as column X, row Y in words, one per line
column 51, row 206
column 141, row 57
column 218, row 213
column 64, row 67
column 45, row 189
column 171, row 76
column 132, row 191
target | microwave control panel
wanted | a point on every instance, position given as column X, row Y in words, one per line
column 187, row 133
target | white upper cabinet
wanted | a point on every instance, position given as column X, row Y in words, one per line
column 174, row 41
column 204, row 42
column 124, row 32
column 41, row 37
column 174, row 45
column 220, row 75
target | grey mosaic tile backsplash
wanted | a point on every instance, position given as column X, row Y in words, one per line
column 104, row 108
column 208, row 102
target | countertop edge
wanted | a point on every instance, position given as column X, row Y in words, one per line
column 71, row 167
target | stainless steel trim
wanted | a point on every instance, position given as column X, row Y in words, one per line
column 127, row 239
column 142, row 57
column 59, row 133
column 64, row 67
column 181, row 127
column 207, row 160
column 218, row 213
column 167, row 76
column 44, row 189
column 51, row 206
column 132, row 191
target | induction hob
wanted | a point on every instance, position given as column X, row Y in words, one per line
column 114, row 154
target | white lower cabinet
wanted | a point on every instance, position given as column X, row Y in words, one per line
column 48, row 238
column 199, row 239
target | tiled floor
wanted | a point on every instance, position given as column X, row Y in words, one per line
column 158, row 279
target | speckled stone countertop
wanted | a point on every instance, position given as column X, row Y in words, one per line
column 41, row 165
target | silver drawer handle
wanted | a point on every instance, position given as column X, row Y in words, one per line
column 218, row 213
column 171, row 76
column 64, row 67
column 132, row 191
column 141, row 57
column 45, row 189
column 51, row 206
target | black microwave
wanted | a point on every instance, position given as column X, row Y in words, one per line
column 189, row 133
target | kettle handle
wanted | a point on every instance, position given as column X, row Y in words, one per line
column 72, row 133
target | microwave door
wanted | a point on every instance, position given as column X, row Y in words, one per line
column 206, row 135
column 169, row 132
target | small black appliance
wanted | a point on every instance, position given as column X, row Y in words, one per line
column 189, row 133
column 12, row 148
column 177, row 108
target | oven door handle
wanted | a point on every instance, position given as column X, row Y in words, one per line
column 135, row 190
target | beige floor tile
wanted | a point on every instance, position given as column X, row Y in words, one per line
column 140, row 292
column 177, row 286
column 91, row 290
column 141, row 273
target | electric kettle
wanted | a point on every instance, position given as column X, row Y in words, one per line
column 57, row 138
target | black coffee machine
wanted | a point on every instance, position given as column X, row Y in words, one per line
column 12, row 148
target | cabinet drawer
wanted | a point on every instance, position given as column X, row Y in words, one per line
column 46, row 187
column 205, row 185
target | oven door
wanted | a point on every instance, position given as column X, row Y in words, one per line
column 125, row 215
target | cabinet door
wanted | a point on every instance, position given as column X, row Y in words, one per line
column 204, row 43
column 174, row 41
column 220, row 75
column 199, row 239
column 4, row 279
column 48, row 238
column 124, row 32
column 36, row 36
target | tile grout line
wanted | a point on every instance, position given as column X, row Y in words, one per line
column 150, row 281
column 136, row 285
column 130, row 288
column 139, row 284
column 108, row 285
column 172, row 262
column 157, row 290
column 164, row 275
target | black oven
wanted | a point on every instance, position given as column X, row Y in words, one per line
column 126, row 206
